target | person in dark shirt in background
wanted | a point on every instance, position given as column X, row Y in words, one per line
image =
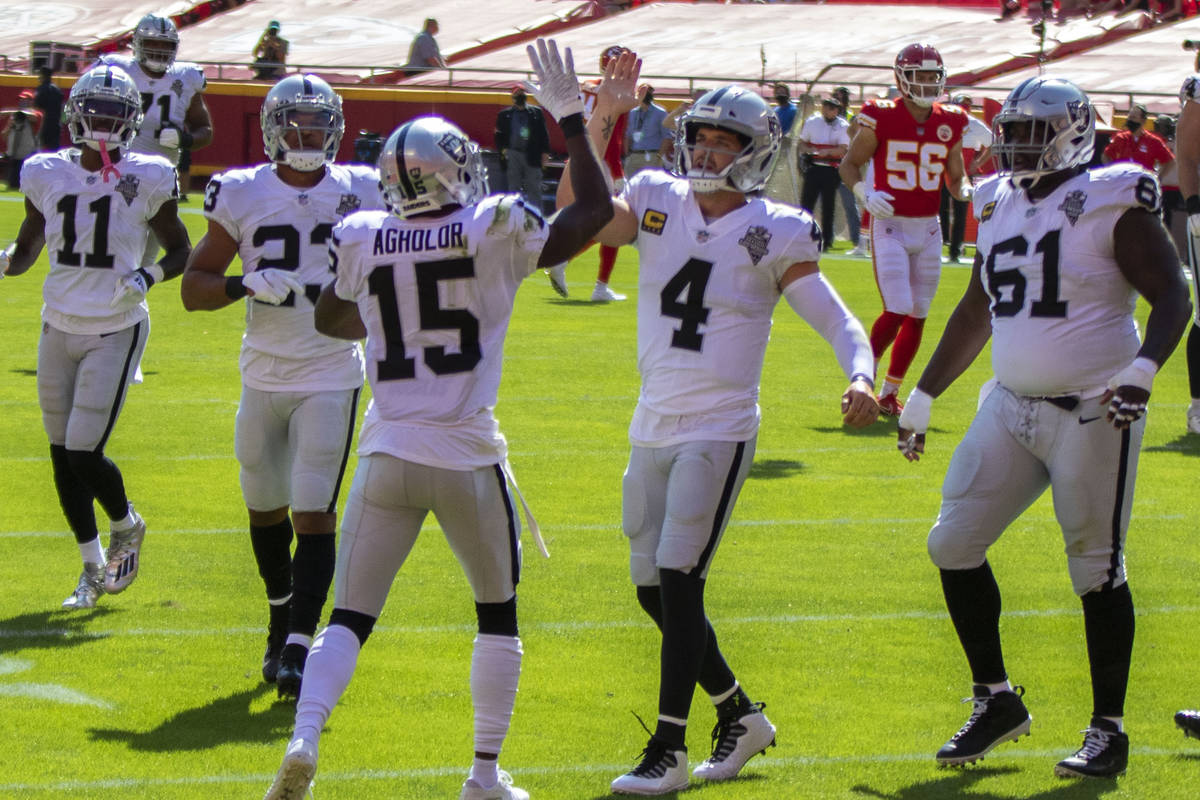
column 49, row 100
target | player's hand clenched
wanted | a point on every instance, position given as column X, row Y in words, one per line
column 1129, row 391
column 859, row 408
column 912, row 425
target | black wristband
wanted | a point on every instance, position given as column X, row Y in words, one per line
column 572, row 125
column 1192, row 204
column 862, row 376
column 234, row 288
column 185, row 139
column 146, row 276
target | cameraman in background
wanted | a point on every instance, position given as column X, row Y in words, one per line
column 19, row 135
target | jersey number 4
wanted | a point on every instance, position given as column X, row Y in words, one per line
column 683, row 299
column 397, row 364
column 1049, row 305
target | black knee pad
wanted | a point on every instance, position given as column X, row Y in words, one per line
column 359, row 624
column 498, row 618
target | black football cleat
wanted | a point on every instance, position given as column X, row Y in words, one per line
column 995, row 718
column 291, row 671
column 1104, row 754
column 1188, row 722
column 270, row 663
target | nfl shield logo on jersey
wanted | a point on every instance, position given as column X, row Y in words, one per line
column 1072, row 205
column 755, row 241
column 127, row 187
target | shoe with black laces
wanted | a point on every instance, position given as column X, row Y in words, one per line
column 736, row 739
column 994, row 719
column 1189, row 723
column 291, row 671
column 270, row 663
column 663, row 769
column 1104, row 754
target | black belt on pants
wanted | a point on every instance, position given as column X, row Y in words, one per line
column 1067, row 402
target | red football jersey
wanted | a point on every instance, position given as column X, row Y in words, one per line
column 910, row 157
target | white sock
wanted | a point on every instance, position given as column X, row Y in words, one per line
column 495, row 671
column 92, row 552
column 126, row 522
column 327, row 673
column 995, row 688
column 1118, row 721
column 889, row 387
column 485, row 772
column 300, row 638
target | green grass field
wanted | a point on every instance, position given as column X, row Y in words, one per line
column 822, row 594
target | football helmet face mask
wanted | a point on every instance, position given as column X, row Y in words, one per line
column 104, row 109
column 1045, row 125
column 429, row 164
column 155, row 42
column 302, row 123
column 920, row 74
column 730, row 108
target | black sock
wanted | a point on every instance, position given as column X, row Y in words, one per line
column 973, row 599
column 1193, row 360
column 312, row 572
column 737, row 705
column 104, row 479
column 715, row 675
column 683, row 641
column 272, row 546
column 74, row 496
column 670, row 734
column 1109, row 623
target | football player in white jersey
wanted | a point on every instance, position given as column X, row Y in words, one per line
column 92, row 207
column 175, row 116
column 1063, row 253
column 1187, row 150
column 431, row 284
column 715, row 259
column 299, row 387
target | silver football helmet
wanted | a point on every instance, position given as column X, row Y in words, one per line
column 155, row 42
column 302, row 104
column 104, row 108
column 428, row 164
column 743, row 112
column 1045, row 125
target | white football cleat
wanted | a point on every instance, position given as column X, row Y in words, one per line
column 91, row 586
column 504, row 790
column 736, row 741
column 124, row 548
column 603, row 294
column 859, row 251
column 661, row 771
column 558, row 278
column 1193, row 417
column 295, row 774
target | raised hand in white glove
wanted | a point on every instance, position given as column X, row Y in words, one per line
column 272, row 285
column 557, row 88
column 135, row 284
column 875, row 201
column 168, row 137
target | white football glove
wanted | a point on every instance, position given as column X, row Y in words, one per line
column 168, row 137
column 1129, row 391
column 272, row 285
column 557, row 88
column 876, row 201
column 1193, row 224
column 966, row 190
column 6, row 258
column 135, row 284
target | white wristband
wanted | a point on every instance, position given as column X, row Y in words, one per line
column 6, row 258
column 915, row 416
column 860, row 192
column 1140, row 374
column 156, row 272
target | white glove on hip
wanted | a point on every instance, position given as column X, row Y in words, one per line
column 168, row 137
column 879, row 203
column 557, row 88
column 135, row 284
column 272, row 285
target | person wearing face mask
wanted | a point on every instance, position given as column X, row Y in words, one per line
column 1137, row 144
column 785, row 110
column 644, row 135
column 524, row 147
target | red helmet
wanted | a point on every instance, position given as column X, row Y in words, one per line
column 914, row 59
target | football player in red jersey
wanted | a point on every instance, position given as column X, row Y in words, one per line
column 612, row 162
column 911, row 141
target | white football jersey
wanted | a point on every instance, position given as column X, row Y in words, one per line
column 95, row 234
column 287, row 227
column 706, row 293
column 1062, row 312
column 1190, row 90
column 436, row 295
column 165, row 100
